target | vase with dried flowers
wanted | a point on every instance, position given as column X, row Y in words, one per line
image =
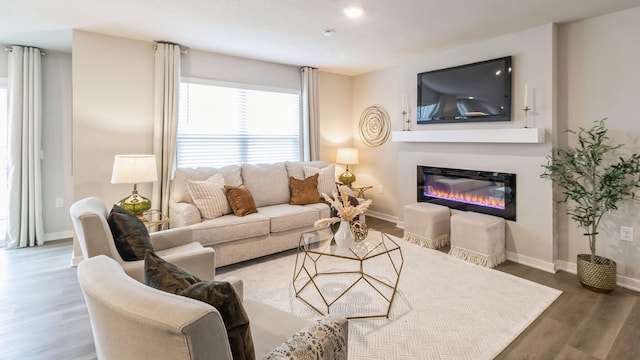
column 345, row 214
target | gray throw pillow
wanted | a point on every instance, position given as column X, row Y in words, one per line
column 130, row 235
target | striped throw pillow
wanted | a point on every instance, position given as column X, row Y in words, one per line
column 210, row 197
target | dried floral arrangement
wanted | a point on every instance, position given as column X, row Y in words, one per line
column 345, row 210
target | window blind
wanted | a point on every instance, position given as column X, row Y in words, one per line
column 224, row 125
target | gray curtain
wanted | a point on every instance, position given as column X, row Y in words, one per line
column 310, row 121
column 167, row 86
column 24, row 222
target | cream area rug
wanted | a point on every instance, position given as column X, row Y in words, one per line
column 444, row 308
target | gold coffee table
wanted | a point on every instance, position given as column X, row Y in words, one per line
column 355, row 282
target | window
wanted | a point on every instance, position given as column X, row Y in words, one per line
column 230, row 124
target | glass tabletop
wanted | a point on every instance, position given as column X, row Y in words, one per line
column 321, row 242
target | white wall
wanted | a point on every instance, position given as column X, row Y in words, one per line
column 599, row 77
column 220, row 67
column 393, row 165
column 56, row 140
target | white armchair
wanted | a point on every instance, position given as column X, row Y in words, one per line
column 89, row 217
column 131, row 320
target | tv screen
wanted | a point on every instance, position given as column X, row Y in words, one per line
column 469, row 93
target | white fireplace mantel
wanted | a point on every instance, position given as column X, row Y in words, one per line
column 509, row 136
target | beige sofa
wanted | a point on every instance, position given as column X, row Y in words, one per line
column 277, row 225
column 131, row 320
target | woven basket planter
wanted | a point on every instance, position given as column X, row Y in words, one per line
column 598, row 276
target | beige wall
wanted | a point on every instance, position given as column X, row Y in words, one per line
column 393, row 165
column 112, row 110
column 336, row 118
column 599, row 77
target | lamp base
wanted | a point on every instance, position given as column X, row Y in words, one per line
column 135, row 203
column 347, row 178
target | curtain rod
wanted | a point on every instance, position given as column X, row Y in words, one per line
column 9, row 49
column 183, row 50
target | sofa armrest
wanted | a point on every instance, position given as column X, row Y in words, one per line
column 326, row 338
column 183, row 214
column 166, row 239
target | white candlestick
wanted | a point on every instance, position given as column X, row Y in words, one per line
column 525, row 94
column 404, row 103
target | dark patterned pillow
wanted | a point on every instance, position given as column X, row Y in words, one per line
column 162, row 275
column 222, row 296
column 130, row 235
column 165, row 276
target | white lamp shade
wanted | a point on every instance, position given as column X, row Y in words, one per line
column 134, row 169
column 348, row 156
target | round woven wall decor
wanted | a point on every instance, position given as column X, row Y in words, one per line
column 374, row 125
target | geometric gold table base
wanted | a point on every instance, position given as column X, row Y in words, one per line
column 327, row 277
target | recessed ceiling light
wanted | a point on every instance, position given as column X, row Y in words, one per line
column 353, row 12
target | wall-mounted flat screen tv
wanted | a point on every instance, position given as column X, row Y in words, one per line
column 468, row 93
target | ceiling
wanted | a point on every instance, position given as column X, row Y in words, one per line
column 291, row 31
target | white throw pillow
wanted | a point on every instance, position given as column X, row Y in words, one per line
column 210, row 196
column 326, row 178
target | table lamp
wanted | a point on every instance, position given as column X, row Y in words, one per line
column 347, row 156
column 134, row 169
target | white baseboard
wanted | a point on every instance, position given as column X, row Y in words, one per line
column 60, row 235
column 531, row 262
column 75, row 260
column 622, row 281
column 375, row 214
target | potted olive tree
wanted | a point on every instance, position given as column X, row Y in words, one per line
column 593, row 182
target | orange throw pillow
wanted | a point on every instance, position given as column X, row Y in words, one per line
column 304, row 191
column 241, row 200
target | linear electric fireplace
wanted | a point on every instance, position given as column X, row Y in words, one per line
column 487, row 192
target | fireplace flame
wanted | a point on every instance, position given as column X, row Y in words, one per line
column 468, row 198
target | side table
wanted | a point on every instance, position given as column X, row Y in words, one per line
column 359, row 190
column 155, row 220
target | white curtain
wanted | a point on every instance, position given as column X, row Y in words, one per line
column 24, row 223
column 310, row 121
column 167, row 84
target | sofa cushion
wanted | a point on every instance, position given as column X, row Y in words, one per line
column 326, row 178
column 130, row 235
column 268, row 183
column 222, row 296
column 230, row 228
column 296, row 168
column 210, row 196
column 165, row 276
column 241, row 200
column 322, row 207
column 286, row 217
column 179, row 189
column 304, row 191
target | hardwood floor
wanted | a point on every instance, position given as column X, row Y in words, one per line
column 43, row 315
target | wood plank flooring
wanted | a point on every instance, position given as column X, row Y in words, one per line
column 43, row 316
